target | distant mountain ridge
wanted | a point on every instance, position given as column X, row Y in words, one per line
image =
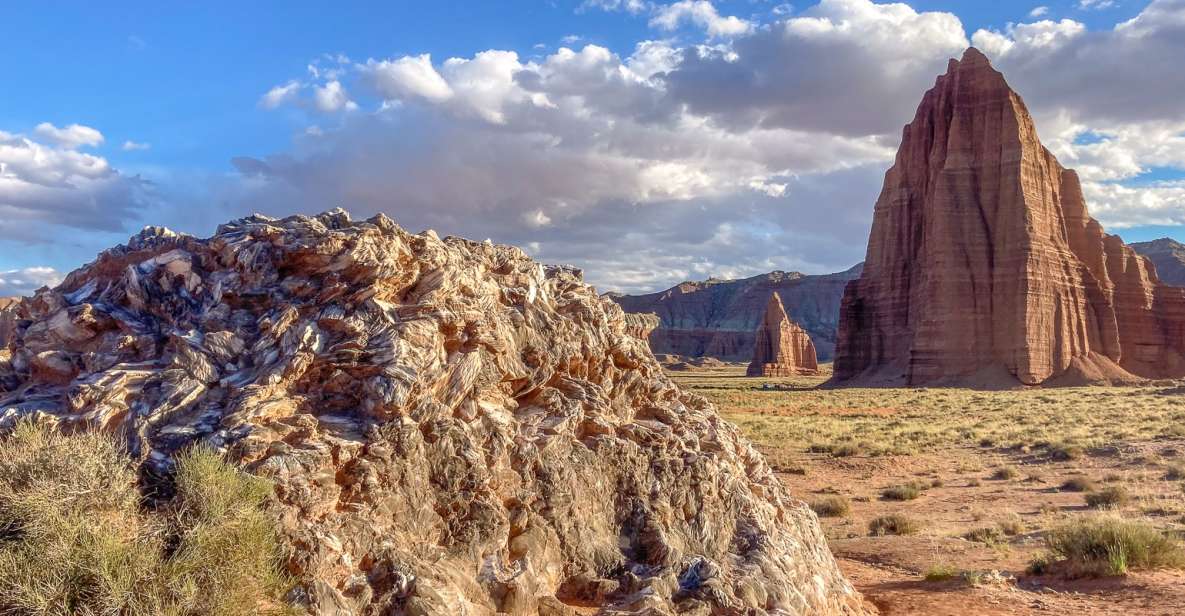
column 718, row 318
column 1168, row 255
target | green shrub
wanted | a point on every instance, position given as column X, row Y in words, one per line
column 76, row 539
column 1110, row 496
column 1112, row 546
column 1078, row 484
column 940, row 573
column 831, row 507
column 892, row 524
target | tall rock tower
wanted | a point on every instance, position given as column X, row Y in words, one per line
column 782, row 348
column 983, row 264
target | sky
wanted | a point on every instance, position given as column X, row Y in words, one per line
column 647, row 142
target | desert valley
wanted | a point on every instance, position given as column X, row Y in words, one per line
column 335, row 415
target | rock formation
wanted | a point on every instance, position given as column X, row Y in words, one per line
column 782, row 348
column 984, row 266
column 718, row 318
column 640, row 325
column 451, row 427
column 8, row 318
column 1168, row 256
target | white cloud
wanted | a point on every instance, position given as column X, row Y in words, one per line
column 629, row 6
column 685, row 160
column 1095, row 5
column 332, row 97
column 1039, row 11
column 408, row 77
column 72, row 136
column 701, row 13
column 24, row 282
column 46, row 186
column 131, row 146
column 279, row 95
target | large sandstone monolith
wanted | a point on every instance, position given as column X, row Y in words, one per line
column 452, row 428
column 983, row 266
column 782, row 348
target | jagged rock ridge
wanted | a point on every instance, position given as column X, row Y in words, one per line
column 452, row 428
column 782, row 348
column 719, row 318
column 1168, row 256
column 983, row 265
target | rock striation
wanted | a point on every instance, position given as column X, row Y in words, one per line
column 1168, row 256
column 719, row 318
column 452, row 428
column 640, row 325
column 984, row 267
column 782, row 348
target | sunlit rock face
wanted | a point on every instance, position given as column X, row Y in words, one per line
column 983, row 265
column 452, row 428
column 782, row 348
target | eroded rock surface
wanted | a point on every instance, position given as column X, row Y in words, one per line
column 719, row 318
column 983, row 265
column 452, row 427
column 782, row 348
column 1168, row 255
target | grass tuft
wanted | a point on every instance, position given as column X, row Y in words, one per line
column 831, row 507
column 893, row 524
column 75, row 538
column 1110, row 496
column 1109, row 545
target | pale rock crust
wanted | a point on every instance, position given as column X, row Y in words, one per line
column 452, row 427
column 984, row 268
column 782, row 348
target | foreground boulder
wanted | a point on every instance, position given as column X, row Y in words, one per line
column 782, row 348
column 451, row 427
column 984, row 267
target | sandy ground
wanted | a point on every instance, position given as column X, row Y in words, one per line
column 889, row 570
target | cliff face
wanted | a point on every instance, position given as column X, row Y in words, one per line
column 719, row 318
column 452, row 428
column 782, row 348
column 1168, row 256
column 983, row 263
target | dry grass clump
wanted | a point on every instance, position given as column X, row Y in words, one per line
column 74, row 538
column 988, row 534
column 1109, row 545
column 1110, row 496
column 893, row 524
column 1005, row 473
column 831, row 507
column 904, row 492
column 1077, row 484
column 1012, row 525
column 1175, row 472
column 940, row 573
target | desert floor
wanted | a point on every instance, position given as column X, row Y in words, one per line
column 990, row 469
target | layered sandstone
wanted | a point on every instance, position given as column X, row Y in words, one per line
column 782, row 348
column 452, row 428
column 719, row 318
column 641, row 325
column 984, row 266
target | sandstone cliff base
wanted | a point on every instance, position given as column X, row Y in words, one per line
column 451, row 427
column 984, row 268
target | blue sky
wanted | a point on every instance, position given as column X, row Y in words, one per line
column 177, row 91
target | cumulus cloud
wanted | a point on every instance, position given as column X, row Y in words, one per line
column 701, row 13
column 1039, row 11
column 850, row 67
column 332, row 97
column 131, row 146
column 684, row 160
column 44, row 185
column 629, row 6
column 24, row 282
column 279, row 95
column 72, row 136
column 1095, row 5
